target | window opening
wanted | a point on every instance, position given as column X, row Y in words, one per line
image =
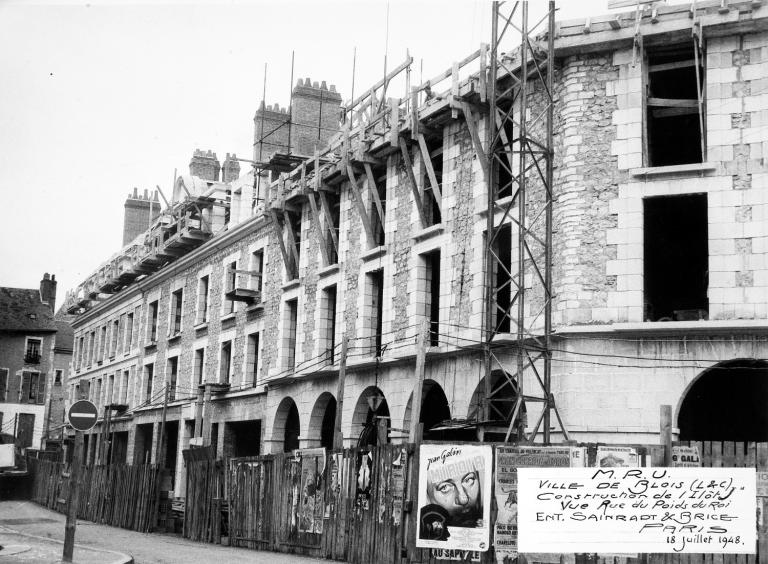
column 225, row 374
column 33, row 349
column 329, row 298
column 431, row 207
column 432, row 273
column 376, row 300
column 202, row 299
column 177, row 299
column 173, row 370
column 149, row 371
column 199, row 366
column 377, row 222
column 674, row 112
column 253, row 359
column 153, row 321
column 291, row 319
column 676, row 258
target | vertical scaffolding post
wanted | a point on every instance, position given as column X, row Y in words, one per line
column 518, row 329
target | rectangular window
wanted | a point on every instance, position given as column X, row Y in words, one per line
column 152, row 322
column 675, row 258
column 378, row 217
column 202, row 299
column 149, row 375
column 58, row 376
column 3, row 384
column 375, row 298
column 674, row 105
column 80, row 352
column 200, row 366
column 97, row 395
column 173, row 374
column 136, row 323
column 333, row 202
column 502, row 269
column 115, row 338
column 329, row 323
column 129, row 333
column 33, row 350
column 121, row 334
column 225, row 366
column 110, row 391
column 91, row 345
column 429, row 196
column 177, row 300
column 289, row 332
column 293, row 220
column 103, row 344
column 230, row 275
column 252, row 360
column 257, row 267
column 124, row 384
column 432, row 273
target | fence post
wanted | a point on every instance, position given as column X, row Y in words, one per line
column 666, row 433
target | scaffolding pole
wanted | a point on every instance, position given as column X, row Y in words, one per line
column 518, row 287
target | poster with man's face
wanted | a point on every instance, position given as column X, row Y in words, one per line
column 454, row 497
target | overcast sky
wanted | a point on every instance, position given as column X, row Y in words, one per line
column 100, row 97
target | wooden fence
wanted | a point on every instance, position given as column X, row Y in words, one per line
column 119, row 495
column 314, row 505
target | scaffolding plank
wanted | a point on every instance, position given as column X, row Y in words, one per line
column 374, row 191
column 327, row 214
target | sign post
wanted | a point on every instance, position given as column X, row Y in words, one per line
column 82, row 416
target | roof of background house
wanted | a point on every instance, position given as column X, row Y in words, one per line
column 22, row 310
column 65, row 336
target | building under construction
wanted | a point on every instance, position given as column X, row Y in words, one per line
column 541, row 249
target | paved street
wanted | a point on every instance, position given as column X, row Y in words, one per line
column 29, row 518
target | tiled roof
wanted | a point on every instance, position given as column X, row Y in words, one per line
column 22, row 310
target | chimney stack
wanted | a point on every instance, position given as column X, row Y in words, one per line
column 48, row 290
column 205, row 165
column 140, row 212
column 230, row 170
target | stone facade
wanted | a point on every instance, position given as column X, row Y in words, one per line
column 612, row 366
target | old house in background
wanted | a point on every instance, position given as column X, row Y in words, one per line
column 31, row 361
column 231, row 320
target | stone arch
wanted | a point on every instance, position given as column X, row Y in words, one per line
column 726, row 403
column 287, row 425
column 322, row 421
column 434, row 409
column 502, row 403
column 369, row 425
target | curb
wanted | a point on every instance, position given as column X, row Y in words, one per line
column 120, row 557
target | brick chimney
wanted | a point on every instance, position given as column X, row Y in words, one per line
column 205, row 165
column 314, row 116
column 140, row 212
column 48, row 290
column 230, row 170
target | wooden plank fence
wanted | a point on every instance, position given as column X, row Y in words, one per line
column 119, row 495
column 269, row 496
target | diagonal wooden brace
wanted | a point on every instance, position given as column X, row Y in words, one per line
column 358, row 198
column 412, row 179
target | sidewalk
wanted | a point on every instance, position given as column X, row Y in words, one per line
column 106, row 544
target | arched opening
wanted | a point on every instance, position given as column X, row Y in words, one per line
column 435, row 416
column 287, row 425
column 322, row 421
column 727, row 403
column 501, row 407
column 371, row 418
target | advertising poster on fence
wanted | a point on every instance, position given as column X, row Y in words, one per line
column 615, row 456
column 508, row 460
column 454, row 497
column 312, row 485
column 398, row 485
column 363, row 467
column 636, row 510
column 685, row 457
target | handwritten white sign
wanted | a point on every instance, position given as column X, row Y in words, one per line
column 692, row 510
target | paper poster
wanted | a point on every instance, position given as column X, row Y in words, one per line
column 310, row 510
column 363, row 467
column 398, row 485
column 336, row 479
column 637, row 510
column 762, row 483
column 455, row 555
column 508, row 460
column 685, row 457
column 615, row 456
column 454, row 497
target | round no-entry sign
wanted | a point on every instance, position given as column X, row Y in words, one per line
column 82, row 415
